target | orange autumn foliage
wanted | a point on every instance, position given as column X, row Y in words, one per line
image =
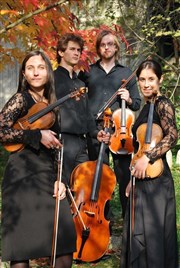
column 38, row 24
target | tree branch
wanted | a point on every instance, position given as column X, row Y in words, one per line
column 176, row 86
column 147, row 41
column 127, row 25
column 173, row 67
column 31, row 14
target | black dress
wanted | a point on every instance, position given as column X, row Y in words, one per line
column 154, row 242
column 27, row 194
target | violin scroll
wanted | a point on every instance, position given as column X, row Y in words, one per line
column 78, row 93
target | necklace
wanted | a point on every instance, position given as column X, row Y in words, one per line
column 37, row 97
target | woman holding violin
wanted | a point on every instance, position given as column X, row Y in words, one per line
column 151, row 241
column 28, row 205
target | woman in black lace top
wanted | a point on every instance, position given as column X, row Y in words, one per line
column 154, row 237
column 28, row 205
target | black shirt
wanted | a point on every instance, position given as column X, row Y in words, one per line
column 75, row 116
column 102, row 85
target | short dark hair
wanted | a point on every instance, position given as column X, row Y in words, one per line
column 63, row 43
column 150, row 64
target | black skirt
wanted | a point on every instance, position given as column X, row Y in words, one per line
column 154, row 242
column 28, row 209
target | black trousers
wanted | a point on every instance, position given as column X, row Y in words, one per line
column 121, row 165
column 75, row 152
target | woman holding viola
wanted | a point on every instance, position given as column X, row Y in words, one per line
column 153, row 240
column 28, row 206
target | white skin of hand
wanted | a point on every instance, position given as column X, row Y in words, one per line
column 128, row 189
column 49, row 140
column 102, row 136
column 139, row 169
column 124, row 94
column 59, row 190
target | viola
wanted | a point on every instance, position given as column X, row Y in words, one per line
column 40, row 116
column 92, row 184
column 121, row 141
column 148, row 135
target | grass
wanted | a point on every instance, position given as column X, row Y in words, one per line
column 113, row 254
column 176, row 172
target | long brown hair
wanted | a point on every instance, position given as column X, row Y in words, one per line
column 23, row 85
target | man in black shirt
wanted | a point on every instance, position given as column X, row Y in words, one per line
column 103, row 80
column 75, row 117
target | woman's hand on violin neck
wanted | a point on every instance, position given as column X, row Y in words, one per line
column 102, row 136
column 59, row 190
column 49, row 140
column 140, row 166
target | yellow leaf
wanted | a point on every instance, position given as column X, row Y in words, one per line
column 20, row 27
column 4, row 12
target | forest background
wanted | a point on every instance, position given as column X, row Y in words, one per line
column 144, row 28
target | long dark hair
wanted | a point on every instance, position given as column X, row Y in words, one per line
column 23, row 85
column 150, row 64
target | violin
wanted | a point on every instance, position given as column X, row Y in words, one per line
column 148, row 135
column 112, row 98
column 121, row 141
column 40, row 116
column 92, row 184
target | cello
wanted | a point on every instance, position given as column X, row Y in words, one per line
column 92, row 184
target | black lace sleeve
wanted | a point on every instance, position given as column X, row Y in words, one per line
column 15, row 108
column 166, row 114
